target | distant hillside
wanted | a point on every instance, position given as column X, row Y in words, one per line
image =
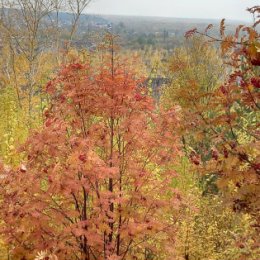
column 153, row 24
column 135, row 31
column 65, row 18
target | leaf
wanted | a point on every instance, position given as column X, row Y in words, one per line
column 210, row 26
column 222, row 28
column 190, row 33
column 227, row 44
column 238, row 29
column 41, row 255
column 23, row 168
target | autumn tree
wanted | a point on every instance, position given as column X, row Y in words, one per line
column 195, row 70
column 101, row 169
column 26, row 42
column 230, row 118
column 30, row 51
column 76, row 8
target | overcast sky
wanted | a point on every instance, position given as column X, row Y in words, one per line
column 217, row 9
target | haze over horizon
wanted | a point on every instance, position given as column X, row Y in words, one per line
column 202, row 9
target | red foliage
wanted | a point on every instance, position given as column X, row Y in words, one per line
column 256, row 82
column 91, row 186
column 231, row 125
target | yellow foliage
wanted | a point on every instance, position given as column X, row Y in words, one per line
column 209, row 229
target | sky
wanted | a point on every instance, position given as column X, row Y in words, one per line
column 214, row 9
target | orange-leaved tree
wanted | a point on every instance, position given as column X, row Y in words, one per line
column 97, row 181
column 233, row 124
